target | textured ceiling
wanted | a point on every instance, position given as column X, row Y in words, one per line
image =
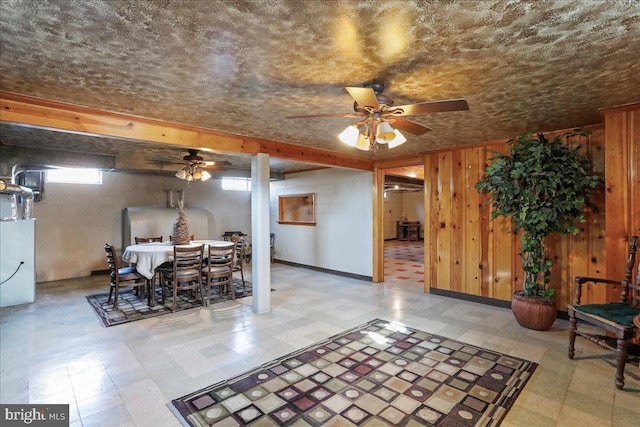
column 243, row 66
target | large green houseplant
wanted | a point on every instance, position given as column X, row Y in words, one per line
column 543, row 187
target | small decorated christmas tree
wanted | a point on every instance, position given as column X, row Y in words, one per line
column 181, row 227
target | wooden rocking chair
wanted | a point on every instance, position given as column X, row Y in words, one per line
column 616, row 318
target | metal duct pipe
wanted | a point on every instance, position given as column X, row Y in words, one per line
column 20, row 168
column 16, row 191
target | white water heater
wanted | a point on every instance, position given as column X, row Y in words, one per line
column 17, row 246
column 17, row 262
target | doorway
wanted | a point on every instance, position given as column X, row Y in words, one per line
column 403, row 221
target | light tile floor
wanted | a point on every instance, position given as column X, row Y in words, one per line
column 404, row 263
column 56, row 351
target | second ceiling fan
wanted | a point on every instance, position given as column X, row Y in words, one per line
column 377, row 114
column 195, row 165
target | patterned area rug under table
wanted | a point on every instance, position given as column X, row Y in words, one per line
column 132, row 307
column 377, row 374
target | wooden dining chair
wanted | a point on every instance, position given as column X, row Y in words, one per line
column 147, row 239
column 218, row 270
column 186, row 274
column 123, row 277
column 240, row 246
column 140, row 240
column 615, row 318
column 272, row 246
column 227, row 235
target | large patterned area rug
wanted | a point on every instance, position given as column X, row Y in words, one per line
column 377, row 374
column 132, row 307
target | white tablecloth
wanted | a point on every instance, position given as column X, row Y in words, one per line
column 148, row 256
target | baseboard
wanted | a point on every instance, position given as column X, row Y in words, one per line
column 99, row 272
column 484, row 300
column 326, row 270
column 472, row 298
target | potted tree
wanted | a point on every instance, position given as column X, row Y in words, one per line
column 543, row 186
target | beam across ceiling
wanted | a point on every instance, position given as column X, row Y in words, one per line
column 64, row 117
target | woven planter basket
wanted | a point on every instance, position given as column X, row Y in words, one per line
column 534, row 313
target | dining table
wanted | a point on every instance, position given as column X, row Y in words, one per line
column 148, row 256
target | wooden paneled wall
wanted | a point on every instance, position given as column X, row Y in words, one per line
column 622, row 136
column 466, row 252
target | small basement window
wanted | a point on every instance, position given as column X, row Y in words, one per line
column 75, row 176
column 236, row 184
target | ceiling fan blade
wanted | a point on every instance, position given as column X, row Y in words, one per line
column 364, row 96
column 325, row 115
column 434, row 107
column 409, row 126
column 216, row 164
column 163, row 162
column 214, row 168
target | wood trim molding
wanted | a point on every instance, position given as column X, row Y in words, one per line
column 427, row 227
column 417, row 158
column 64, row 117
column 620, row 108
column 403, row 161
column 378, row 224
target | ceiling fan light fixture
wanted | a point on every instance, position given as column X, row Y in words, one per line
column 377, row 112
column 350, row 135
column 193, row 173
column 398, row 140
column 384, row 133
column 363, row 143
column 183, row 173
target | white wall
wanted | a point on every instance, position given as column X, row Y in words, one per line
column 413, row 205
column 231, row 210
column 74, row 222
column 342, row 239
column 392, row 213
column 410, row 203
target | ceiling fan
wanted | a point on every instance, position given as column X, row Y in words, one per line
column 193, row 159
column 377, row 114
column 195, row 165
